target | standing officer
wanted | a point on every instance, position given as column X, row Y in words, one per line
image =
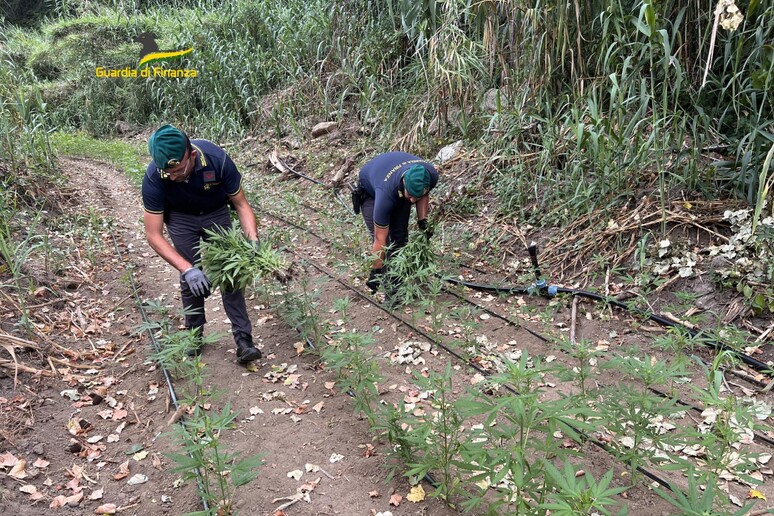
column 188, row 186
column 391, row 183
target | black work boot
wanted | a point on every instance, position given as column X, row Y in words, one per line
column 196, row 349
column 246, row 350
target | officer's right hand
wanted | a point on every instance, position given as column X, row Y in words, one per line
column 375, row 279
column 197, row 282
column 426, row 228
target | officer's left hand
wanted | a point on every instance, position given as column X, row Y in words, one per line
column 426, row 228
column 197, row 281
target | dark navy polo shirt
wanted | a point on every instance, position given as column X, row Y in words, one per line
column 214, row 179
column 381, row 179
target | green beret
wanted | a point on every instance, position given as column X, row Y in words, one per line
column 416, row 180
column 167, row 143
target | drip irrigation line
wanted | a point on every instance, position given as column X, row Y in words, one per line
column 302, row 176
column 480, row 370
column 315, row 181
column 497, row 315
column 532, row 290
column 693, row 407
column 351, row 394
column 167, row 377
column 552, row 290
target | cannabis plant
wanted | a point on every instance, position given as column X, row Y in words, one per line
column 410, row 272
column 219, row 473
column 232, row 262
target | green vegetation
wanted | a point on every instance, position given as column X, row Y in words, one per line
column 571, row 112
column 130, row 159
column 203, row 455
column 232, row 262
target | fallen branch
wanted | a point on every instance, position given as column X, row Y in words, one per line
column 16, row 341
column 573, row 318
column 8, row 364
column 175, row 417
column 9, row 349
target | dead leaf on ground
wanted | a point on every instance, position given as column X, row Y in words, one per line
column 123, row 471
column 317, row 408
column 7, row 460
column 119, row 414
column 369, row 450
column 754, row 493
column 395, row 500
column 18, row 472
column 374, row 494
column 96, row 495
column 62, row 500
column 41, row 463
column 137, row 479
column 108, row 508
column 416, row 495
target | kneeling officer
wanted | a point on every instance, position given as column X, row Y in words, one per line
column 390, row 184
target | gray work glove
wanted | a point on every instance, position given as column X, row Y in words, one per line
column 197, row 282
column 256, row 245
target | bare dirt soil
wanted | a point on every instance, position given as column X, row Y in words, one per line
column 92, row 412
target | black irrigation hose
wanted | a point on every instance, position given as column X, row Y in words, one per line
column 351, row 394
column 552, row 290
column 482, row 371
column 759, row 435
column 167, row 377
column 315, row 181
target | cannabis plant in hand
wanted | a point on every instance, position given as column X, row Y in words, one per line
column 232, row 262
column 411, row 271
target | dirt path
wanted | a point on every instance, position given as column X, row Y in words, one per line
column 295, row 425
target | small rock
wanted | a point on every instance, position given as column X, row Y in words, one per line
column 449, row 151
column 323, row 128
column 139, row 478
column 38, row 449
column 122, row 127
column 490, row 102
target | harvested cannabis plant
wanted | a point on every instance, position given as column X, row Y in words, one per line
column 232, row 262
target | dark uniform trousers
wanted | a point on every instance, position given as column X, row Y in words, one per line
column 186, row 231
column 399, row 220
